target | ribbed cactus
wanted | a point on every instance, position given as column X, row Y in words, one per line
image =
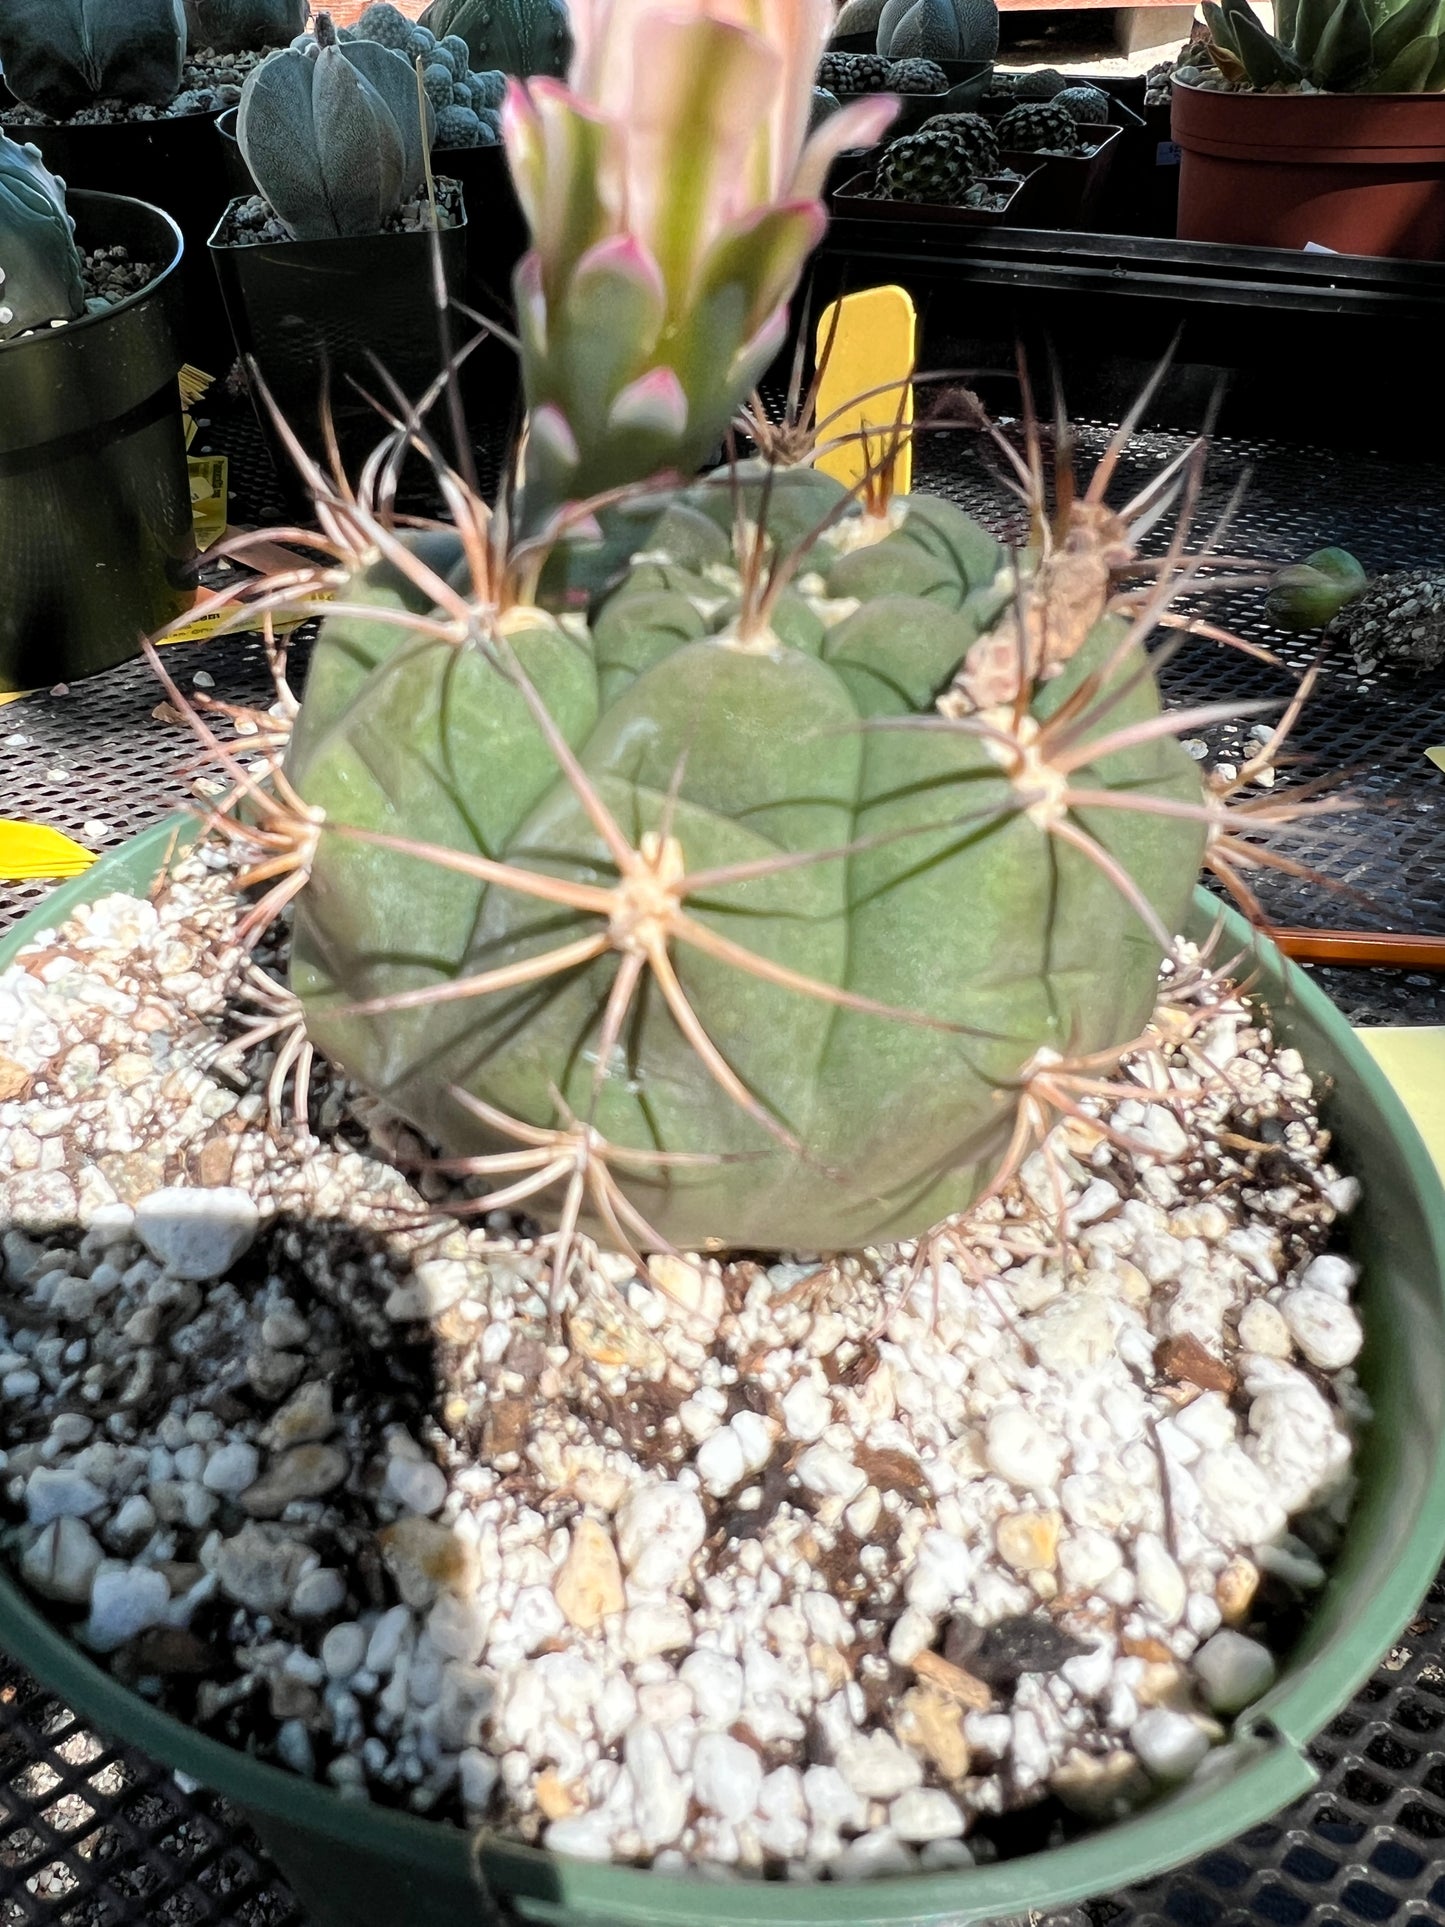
column 333, row 135
column 519, row 36
column 935, row 29
column 40, row 266
column 62, row 55
column 244, row 26
column 1339, row 46
column 790, row 955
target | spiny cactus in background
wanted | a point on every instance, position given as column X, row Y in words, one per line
column 62, row 55
column 333, row 135
column 41, row 276
column 1089, row 106
column 927, row 29
column 467, row 105
column 1338, row 46
column 655, row 295
column 244, row 26
column 1039, row 127
column 521, row 37
column 940, row 162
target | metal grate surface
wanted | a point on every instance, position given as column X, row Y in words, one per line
column 91, row 1835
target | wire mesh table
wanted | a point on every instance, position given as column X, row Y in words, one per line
column 93, row 1835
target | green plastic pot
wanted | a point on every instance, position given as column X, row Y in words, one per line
column 356, row 1865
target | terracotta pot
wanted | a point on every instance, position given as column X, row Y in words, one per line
column 1359, row 173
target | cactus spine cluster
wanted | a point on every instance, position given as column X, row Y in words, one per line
column 244, row 26
column 333, row 135
column 40, row 266
column 517, row 36
column 62, row 55
column 1338, row 46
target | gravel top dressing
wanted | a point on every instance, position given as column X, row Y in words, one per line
column 210, row 82
column 804, row 1566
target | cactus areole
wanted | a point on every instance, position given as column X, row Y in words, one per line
column 62, row 55
column 729, row 889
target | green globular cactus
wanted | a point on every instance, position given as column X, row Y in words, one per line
column 518, row 36
column 1310, row 594
column 735, row 895
column 1338, row 46
column 41, row 274
column 917, row 77
column 1039, row 127
column 63, row 55
column 244, row 26
column 1089, row 106
column 845, row 74
column 333, row 135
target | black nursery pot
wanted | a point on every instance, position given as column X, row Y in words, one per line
column 319, row 318
column 171, row 164
column 95, row 500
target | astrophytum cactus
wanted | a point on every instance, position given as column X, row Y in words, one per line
column 62, row 55
column 335, row 135
column 672, row 191
column 40, row 266
column 244, row 26
column 517, row 36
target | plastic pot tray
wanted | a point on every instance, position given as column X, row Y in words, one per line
column 358, row 1865
column 854, row 201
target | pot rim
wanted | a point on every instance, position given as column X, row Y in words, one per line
column 118, row 308
column 1267, row 1752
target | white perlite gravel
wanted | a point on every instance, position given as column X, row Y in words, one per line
column 815, row 1575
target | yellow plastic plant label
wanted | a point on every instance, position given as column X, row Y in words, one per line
column 1413, row 1058
column 208, row 498
column 867, row 350
column 30, row 852
column 1437, row 757
column 202, row 627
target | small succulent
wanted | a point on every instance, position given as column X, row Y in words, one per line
column 1088, row 105
column 518, row 36
column 1039, row 127
column 1310, row 594
column 940, row 162
column 823, row 105
column 244, row 26
column 63, row 55
column 41, row 274
column 917, row 77
column 845, row 74
column 333, row 136
column 1338, row 46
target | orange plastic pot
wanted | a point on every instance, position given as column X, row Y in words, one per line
column 1358, row 173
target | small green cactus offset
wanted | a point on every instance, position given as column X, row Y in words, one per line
column 467, row 105
column 244, row 26
column 333, row 135
column 40, row 267
column 517, row 36
column 1337, row 46
column 62, row 55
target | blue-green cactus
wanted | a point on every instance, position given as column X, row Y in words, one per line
column 244, row 26
column 40, row 266
column 519, row 36
column 62, row 55
column 333, row 135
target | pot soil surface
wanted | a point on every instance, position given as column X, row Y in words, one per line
column 826, row 1566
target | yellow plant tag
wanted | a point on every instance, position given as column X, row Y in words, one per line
column 30, row 851
column 202, row 627
column 867, row 349
column 208, row 497
column 1437, row 757
column 193, row 382
column 1413, row 1058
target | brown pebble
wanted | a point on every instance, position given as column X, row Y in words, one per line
column 1185, row 1359
column 553, row 1798
column 930, row 1722
column 1029, row 1541
column 589, row 1584
column 1235, row 1588
column 14, row 1079
column 954, row 1681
